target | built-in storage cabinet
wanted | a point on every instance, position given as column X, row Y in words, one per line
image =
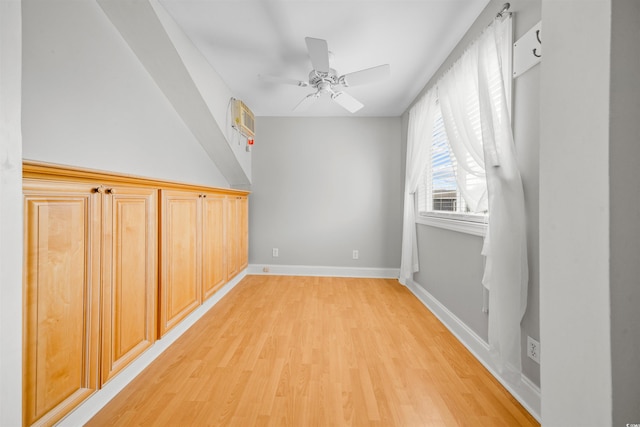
column 90, row 288
column 95, row 245
column 214, row 274
column 200, row 240
column 238, row 234
column 62, row 235
column 243, row 234
column 129, row 275
column 181, row 256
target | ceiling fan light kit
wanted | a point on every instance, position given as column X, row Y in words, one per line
column 326, row 80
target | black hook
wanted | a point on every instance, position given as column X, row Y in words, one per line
column 535, row 53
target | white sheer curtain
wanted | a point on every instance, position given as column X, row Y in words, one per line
column 474, row 106
column 458, row 96
column 506, row 271
column 419, row 136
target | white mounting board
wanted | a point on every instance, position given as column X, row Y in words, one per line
column 525, row 50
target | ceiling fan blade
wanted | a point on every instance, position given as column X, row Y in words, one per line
column 285, row 80
column 369, row 75
column 347, row 101
column 319, row 54
column 306, row 102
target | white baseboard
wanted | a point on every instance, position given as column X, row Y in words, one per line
column 524, row 391
column 83, row 413
column 309, row 270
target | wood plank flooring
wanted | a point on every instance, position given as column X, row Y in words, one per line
column 312, row 351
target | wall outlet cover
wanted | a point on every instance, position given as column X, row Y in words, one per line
column 533, row 349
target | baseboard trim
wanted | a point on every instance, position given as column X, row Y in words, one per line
column 310, row 270
column 524, row 391
column 83, row 413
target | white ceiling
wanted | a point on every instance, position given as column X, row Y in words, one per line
column 244, row 38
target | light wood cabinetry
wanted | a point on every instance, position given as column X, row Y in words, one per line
column 243, row 233
column 90, row 273
column 61, row 291
column 180, row 254
column 129, row 282
column 237, row 234
column 214, row 275
column 107, row 266
column 193, row 252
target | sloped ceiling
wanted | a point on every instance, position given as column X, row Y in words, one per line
column 244, row 38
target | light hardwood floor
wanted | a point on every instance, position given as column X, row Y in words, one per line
column 311, row 351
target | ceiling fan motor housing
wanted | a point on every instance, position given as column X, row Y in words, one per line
column 323, row 81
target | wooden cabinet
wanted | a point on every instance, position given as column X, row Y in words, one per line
column 180, row 254
column 214, row 274
column 237, row 234
column 243, row 232
column 95, row 295
column 130, row 278
column 204, row 243
column 62, row 293
column 193, row 254
column 90, row 286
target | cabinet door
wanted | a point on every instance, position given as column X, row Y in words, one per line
column 180, row 278
column 232, row 237
column 129, row 281
column 61, row 277
column 214, row 273
column 243, row 232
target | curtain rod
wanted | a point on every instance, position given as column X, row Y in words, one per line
column 504, row 10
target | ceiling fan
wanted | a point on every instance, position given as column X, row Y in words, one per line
column 325, row 80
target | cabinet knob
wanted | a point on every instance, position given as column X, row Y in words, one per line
column 99, row 189
column 110, row 191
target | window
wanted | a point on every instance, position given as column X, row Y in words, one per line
column 438, row 194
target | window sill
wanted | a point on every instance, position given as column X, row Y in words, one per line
column 460, row 225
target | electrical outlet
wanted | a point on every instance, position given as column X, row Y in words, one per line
column 356, row 254
column 274, row 252
column 533, row 349
column 265, row 269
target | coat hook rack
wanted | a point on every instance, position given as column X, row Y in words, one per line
column 527, row 50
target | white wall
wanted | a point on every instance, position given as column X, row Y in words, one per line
column 324, row 187
column 574, row 213
column 87, row 100
column 213, row 89
column 10, row 215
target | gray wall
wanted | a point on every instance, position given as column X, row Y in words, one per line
column 460, row 289
column 624, row 158
column 87, row 100
column 457, row 286
column 324, row 187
